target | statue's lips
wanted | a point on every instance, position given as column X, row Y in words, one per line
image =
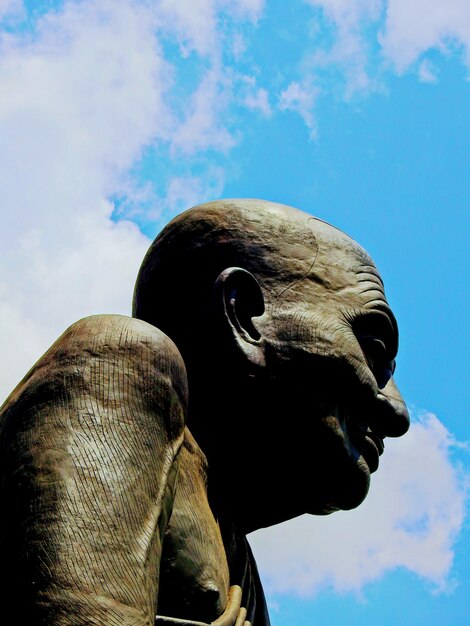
column 369, row 445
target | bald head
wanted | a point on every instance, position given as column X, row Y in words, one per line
column 280, row 245
column 289, row 341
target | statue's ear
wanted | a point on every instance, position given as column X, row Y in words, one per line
column 238, row 298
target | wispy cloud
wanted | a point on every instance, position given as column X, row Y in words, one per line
column 369, row 39
column 255, row 98
column 11, row 9
column 410, row 519
column 86, row 88
column 404, row 30
column 427, row 72
column 300, row 98
column 202, row 127
column 413, row 28
column 184, row 192
column 351, row 49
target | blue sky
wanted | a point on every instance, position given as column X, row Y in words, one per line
column 115, row 116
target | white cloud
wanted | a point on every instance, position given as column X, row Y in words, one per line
column 196, row 22
column 251, row 96
column 409, row 30
column 246, row 9
column 413, row 28
column 184, row 192
column 350, row 49
column 427, row 72
column 345, row 57
column 362, row 40
column 83, row 94
column 203, row 126
column 11, row 9
column 259, row 101
column 300, row 98
column 410, row 519
column 79, row 100
column 197, row 26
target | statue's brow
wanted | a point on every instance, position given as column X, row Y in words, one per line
column 370, row 279
column 374, row 302
column 375, row 290
column 371, row 271
column 371, row 284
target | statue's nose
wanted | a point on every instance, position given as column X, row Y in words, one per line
column 394, row 416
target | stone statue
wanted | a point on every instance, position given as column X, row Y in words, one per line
column 253, row 384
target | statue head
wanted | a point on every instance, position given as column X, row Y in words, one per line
column 290, row 348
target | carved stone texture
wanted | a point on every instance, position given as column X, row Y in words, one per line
column 126, row 501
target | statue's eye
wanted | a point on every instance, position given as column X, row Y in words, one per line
column 377, row 334
column 378, row 359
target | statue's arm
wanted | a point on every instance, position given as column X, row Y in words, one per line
column 89, row 446
column 194, row 582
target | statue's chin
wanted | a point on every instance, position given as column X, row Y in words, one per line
column 346, row 491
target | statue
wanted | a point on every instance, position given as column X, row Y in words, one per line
column 253, row 384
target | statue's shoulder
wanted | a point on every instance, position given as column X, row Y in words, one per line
column 107, row 354
column 119, row 334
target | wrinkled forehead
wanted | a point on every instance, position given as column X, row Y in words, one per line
column 340, row 260
column 331, row 262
